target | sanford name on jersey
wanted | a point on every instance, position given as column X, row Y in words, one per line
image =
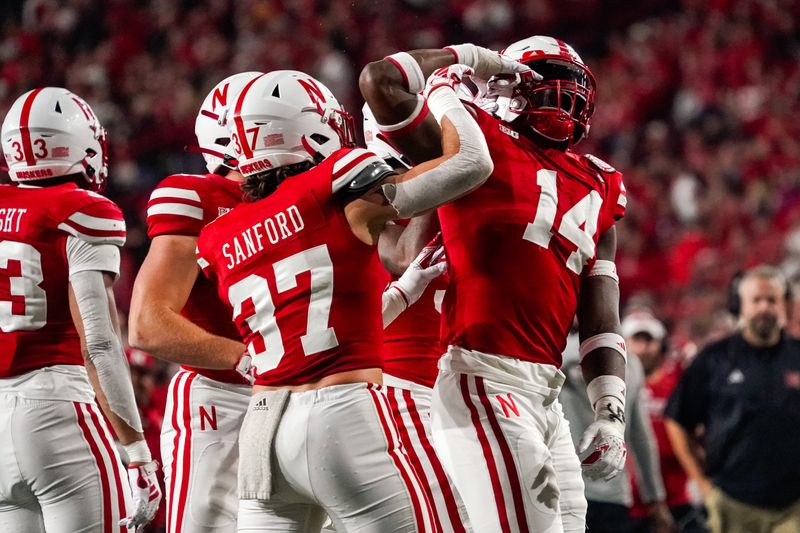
column 520, row 245
column 271, row 230
column 305, row 292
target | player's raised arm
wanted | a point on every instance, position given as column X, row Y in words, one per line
column 392, row 88
column 602, row 449
column 464, row 165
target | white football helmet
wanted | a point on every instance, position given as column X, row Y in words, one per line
column 286, row 117
column 210, row 126
column 559, row 106
column 51, row 132
column 378, row 144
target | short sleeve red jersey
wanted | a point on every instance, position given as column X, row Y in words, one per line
column 183, row 204
column 305, row 292
column 36, row 327
column 519, row 246
column 411, row 346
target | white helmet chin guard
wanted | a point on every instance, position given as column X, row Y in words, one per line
column 210, row 126
column 378, row 144
column 286, row 117
column 51, row 132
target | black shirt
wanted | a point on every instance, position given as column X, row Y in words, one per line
column 748, row 399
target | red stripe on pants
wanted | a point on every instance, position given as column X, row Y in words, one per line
column 508, row 459
column 438, row 470
column 101, row 466
column 187, row 451
column 499, row 499
column 411, row 451
column 99, row 425
column 393, row 453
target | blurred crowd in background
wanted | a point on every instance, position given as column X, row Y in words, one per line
column 697, row 104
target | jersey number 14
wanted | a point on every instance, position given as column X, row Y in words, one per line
column 578, row 225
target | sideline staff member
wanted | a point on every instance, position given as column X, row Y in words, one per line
column 745, row 391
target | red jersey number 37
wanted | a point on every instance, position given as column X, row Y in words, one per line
column 252, row 302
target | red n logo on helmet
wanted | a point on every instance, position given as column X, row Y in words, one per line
column 221, row 96
column 313, row 90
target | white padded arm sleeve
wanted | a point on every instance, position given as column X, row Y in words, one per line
column 82, row 255
column 463, row 172
column 394, row 302
column 103, row 345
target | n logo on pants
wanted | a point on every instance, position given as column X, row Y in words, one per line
column 211, row 418
column 508, row 405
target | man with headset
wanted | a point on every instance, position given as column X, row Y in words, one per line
column 744, row 391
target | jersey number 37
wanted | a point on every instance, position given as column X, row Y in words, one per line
column 252, row 302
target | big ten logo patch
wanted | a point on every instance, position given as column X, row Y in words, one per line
column 208, row 418
column 507, row 404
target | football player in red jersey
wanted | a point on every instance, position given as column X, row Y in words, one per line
column 59, row 346
column 299, row 267
column 177, row 316
column 411, row 351
column 521, row 249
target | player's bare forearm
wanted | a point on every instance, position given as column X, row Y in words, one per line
column 598, row 312
column 162, row 288
column 399, row 245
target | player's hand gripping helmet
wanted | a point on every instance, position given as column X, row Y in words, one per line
column 210, row 126
column 51, row 132
column 286, row 117
column 379, row 145
column 559, row 106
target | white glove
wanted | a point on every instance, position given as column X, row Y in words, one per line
column 602, row 448
column 245, row 368
column 428, row 265
column 146, row 495
column 446, row 77
column 486, row 63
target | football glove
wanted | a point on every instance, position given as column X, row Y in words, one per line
column 602, row 448
column 145, row 493
column 429, row 265
column 484, row 62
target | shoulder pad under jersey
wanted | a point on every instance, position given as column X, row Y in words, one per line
column 356, row 172
column 92, row 218
column 599, row 164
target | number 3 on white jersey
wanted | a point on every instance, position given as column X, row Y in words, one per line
column 585, row 213
column 268, row 350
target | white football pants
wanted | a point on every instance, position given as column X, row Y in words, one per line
column 59, row 469
column 199, row 448
column 501, row 435
column 337, row 450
